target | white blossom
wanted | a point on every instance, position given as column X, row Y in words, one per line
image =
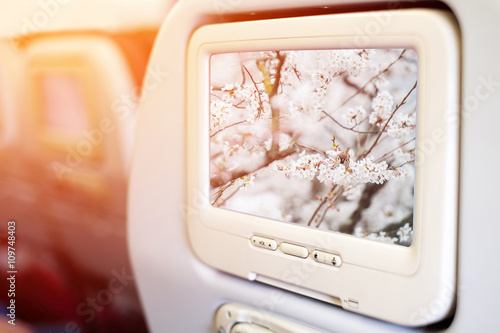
column 334, row 175
column 294, row 109
column 256, row 101
column 360, row 172
column 399, row 173
column 403, row 156
column 405, row 233
column 367, row 171
column 382, row 108
column 315, row 70
column 289, row 70
column 380, row 236
column 402, row 125
column 332, row 63
column 330, row 172
column 219, row 114
column 229, row 150
column 229, row 87
column 354, row 115
column 333, row 153
column 319, row 97
column 305, row 167
column 286, row 142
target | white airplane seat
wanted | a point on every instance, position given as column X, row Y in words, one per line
column 188, row 273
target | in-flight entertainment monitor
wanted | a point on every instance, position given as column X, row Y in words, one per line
column 329, row 143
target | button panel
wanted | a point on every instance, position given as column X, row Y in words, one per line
column 327, row 258
column 264, row 242
column 294, row 250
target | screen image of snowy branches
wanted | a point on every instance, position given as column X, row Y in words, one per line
column 319, row 138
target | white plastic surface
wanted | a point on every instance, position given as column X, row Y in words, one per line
column 294, row 250
column 237, row 318
column 249, row 328
column 173, row 288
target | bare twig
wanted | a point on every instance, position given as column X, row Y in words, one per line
column 399, row 166
column 297, row 74
column 229, row 196
column 347, row 128
column 311, row 149
column 261, row 106
column 325, row 199
column 228, row 126
column 331, row 204
column 316, row 211
column 221, row 191
column 355, row 86
column 243, row 74
column 393, row 150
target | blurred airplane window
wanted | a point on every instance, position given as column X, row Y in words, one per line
column 63, row 103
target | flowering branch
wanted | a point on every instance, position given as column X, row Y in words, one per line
column 217, row 182
column 371, row 80
column 388, row 120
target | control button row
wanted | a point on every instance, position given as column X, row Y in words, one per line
column 297, row 250
column 264, row 242
column 327, row 258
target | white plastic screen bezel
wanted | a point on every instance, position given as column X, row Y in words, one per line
column 389, row 282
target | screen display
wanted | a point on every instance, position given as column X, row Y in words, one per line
column 319, row 138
